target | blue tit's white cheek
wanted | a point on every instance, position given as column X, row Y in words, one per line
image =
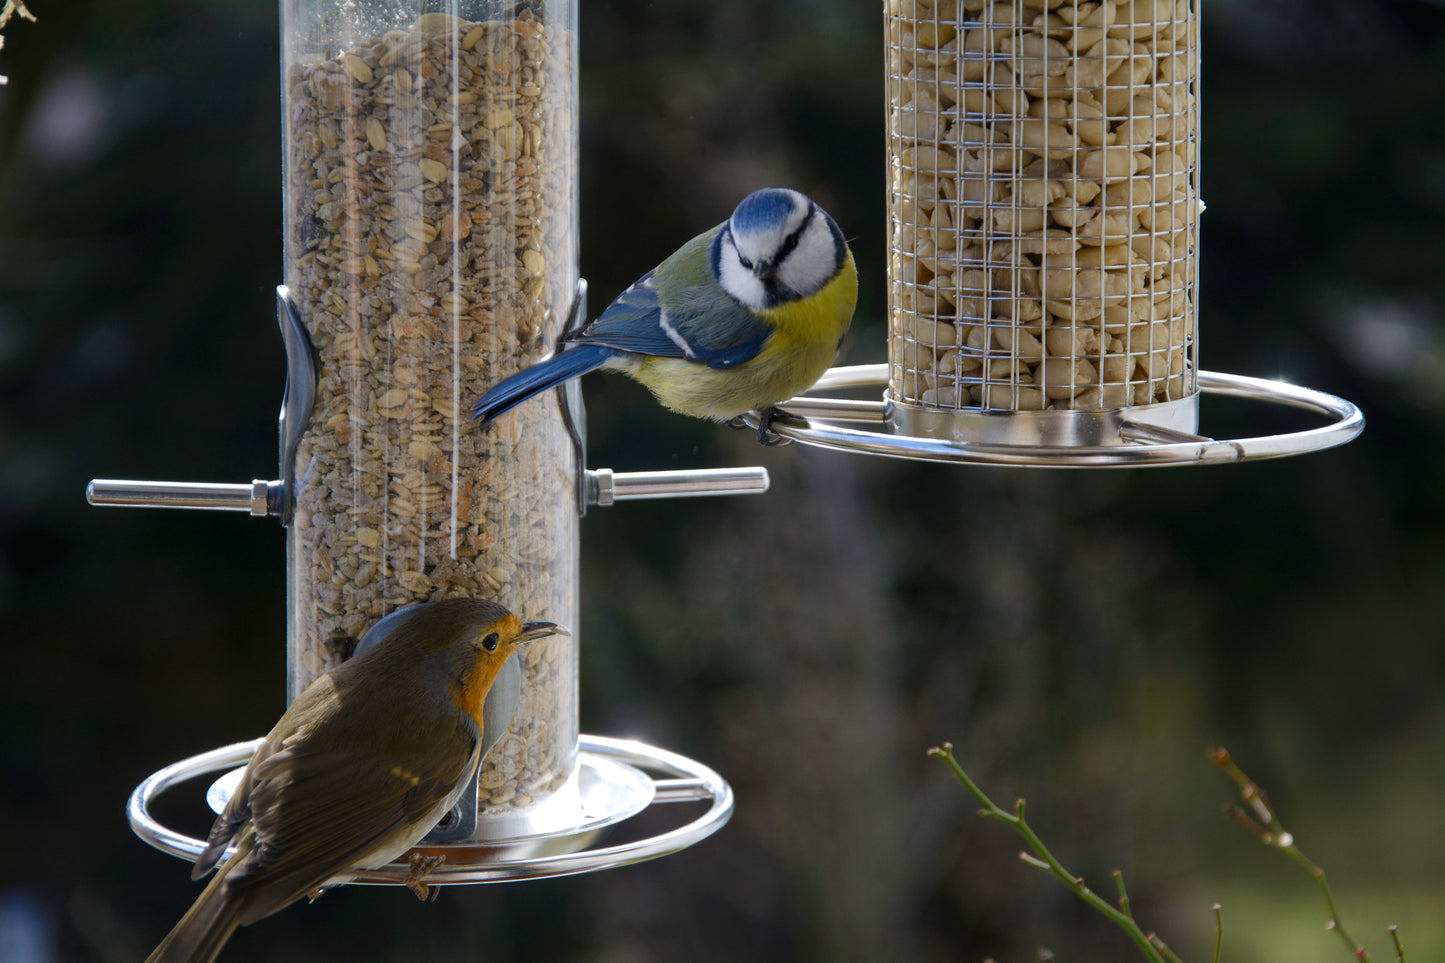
column 813, row 262
column 739, row 282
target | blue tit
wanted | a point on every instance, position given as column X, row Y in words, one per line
column 741, row 317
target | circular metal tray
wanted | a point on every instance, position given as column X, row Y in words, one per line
column 600, row 793
column 609, row 771
column 815, row 421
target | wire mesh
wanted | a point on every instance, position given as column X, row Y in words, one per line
column 1043, row 206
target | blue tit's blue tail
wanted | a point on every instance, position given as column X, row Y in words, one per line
column 547, row 374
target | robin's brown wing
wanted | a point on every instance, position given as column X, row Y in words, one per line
column 317, row 813
column 228, row 825
column 317, row 702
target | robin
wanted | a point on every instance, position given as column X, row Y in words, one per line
column 360, row 767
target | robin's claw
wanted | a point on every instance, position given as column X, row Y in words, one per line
column 418, row 870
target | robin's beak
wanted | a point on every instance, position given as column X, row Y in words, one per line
column 538, row 630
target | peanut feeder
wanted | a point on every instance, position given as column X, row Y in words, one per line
column 1043, row 206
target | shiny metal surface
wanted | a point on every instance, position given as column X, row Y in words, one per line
column 598, row 794
column 1143, row 445
column 569, row 397
column 837, row 409
column 605, row 486
column 1047, row 429
column 260, row 497
column 298, row 399
column 254, row 497
column 608, row 770
column 600, row 487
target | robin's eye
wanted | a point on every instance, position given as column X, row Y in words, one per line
column 490, row 642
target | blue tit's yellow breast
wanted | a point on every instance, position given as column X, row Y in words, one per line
column 804, row 342
column 817, row 321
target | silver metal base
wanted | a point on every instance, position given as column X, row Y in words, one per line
column 1146, row 436
column 549, row 840
column 1038, row 429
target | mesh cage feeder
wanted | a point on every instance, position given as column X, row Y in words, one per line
column 430, row 249
column 1043, row 244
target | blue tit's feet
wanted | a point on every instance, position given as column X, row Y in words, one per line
column 418, row 870
column 766, row 435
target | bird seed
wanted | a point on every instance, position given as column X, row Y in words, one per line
column 431, row 246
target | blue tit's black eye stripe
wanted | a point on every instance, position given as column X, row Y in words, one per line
column 775, row 293
column 490, row 642
column 791, row 241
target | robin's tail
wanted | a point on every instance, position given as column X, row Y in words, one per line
column 204, row 930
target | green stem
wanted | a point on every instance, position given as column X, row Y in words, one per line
column 1218, row 932
column 1123, row 894
column 1169, row 954
column 1041, row 853
column 1399, row 947
column 1275, row 835
column 1293, row 852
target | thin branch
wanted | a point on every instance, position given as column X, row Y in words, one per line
column 1123, row 894
column 1169, row 954
column 1040, row 857
column 12, row 8
column 1399, row 947
column 1218, row 932
column 1273, row 834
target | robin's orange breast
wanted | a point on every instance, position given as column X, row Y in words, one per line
column 472, row 693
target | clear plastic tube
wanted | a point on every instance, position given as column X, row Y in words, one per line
column 431, row 244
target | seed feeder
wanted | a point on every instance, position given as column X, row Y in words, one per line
column 430, row 250
column 1043, row 212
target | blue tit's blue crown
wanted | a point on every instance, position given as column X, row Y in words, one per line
column 764, row 210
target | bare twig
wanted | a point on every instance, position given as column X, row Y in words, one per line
column 1038, row 856
column 12, row 8
column 1123, row 894
column 1266, row 826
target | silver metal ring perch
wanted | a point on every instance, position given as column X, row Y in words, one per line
column 679, row 780
column 817, row 421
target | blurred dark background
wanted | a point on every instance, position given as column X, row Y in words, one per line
column 1082, row 638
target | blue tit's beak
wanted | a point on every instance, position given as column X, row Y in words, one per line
column 764, row 270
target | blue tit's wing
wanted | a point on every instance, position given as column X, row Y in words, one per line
column 678, row 310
